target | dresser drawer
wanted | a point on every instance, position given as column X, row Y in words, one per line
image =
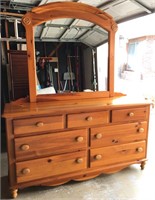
column 118, row 134
column 118, row 154
column 50, row 166
column 50, row 144
column 87, row 119
column 131, row 114
column 38, row 124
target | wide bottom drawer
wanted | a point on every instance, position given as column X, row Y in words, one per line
column 50, row 166
column 117, row 154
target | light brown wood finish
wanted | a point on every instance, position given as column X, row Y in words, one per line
column 31, row 62
column 73, row 149
column 50, row 166
column 23, row 109
column 73, row 10
column 38, row 124
column 87, row 119
column 34, row 146
column 76, row 136
column 111, row 62
column 118, row 154
column 129, row 114
column 118, row 134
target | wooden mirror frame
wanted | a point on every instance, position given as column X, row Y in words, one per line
column 50, row 11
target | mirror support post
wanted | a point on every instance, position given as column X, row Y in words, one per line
column 111, row 59
column 111, row 64
column 31, row 58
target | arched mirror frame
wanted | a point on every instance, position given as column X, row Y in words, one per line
column 58, row 10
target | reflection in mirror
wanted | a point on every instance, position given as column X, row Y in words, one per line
column 102, row 69
column 71, row 56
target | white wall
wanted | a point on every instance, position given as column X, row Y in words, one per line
column 132, row 29
column 102, row 63
column 139, row 27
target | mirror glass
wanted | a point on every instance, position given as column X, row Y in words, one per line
column 71, row 56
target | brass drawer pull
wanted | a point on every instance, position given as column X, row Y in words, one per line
column 24, row 147
column 131, row 114
column 79, row 160
column 89, row 118
column 141, row 130
column 139, row 149
column 79, row 139
column 98, row 135
column 39, row 124
column 25, row 171
column 98, row 157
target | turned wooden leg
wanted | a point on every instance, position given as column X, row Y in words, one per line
column 14, row 193
column 142, row 165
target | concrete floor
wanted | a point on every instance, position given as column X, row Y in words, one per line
column 128, row 184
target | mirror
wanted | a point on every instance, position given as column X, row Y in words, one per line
column 45, row 14
column 68, row 57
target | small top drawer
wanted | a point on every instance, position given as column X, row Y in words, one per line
column 87, row 119
column 132, row 114
column 38, row 124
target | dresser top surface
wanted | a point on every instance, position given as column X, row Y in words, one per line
column 22, row 108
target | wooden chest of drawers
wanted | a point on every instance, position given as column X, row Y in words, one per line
column 50, row 146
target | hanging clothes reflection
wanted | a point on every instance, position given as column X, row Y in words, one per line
column 43, row 74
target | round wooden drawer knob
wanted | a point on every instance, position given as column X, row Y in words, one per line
column 98, row 157
column 24, row 147
column 79, row 139
column 79, row 160
column 26, row 171
column 141, row 130
column 131, row 114
column 98, row 136
column 39, row 124
column 139, row 149
column 89, row 118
